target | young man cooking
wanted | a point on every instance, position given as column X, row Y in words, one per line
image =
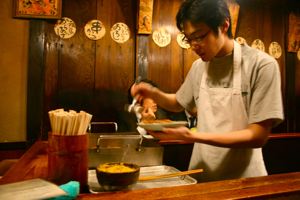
column 237, row 92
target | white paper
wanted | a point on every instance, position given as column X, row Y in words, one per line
column 30, row 189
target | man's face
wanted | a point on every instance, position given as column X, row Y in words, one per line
column 150, row 107
column 203, row 40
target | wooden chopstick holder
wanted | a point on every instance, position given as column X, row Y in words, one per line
column 149, row 178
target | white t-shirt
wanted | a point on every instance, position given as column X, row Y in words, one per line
column 261, row 84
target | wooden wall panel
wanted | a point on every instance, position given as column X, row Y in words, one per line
column 95, row 75
column 294, row 65
column 296, row 108
column 115, row 62
column 69, row 63
column 83, row 74
column 167, row 66
column 77, row 54
column 35, row 81
column 52, row 54
column 165, row 63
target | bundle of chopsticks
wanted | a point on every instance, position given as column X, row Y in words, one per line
column 69, row 123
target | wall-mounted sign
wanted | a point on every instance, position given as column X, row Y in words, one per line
column 294, row 32
column 145, row 16
column 258, row 44
column 275, row 50
column 94, row 29
column 241, row 40
column 65, row 28
column 120, row 32
column 181, row 42
column 43, row 9
column 234, row 9
column 161, row 37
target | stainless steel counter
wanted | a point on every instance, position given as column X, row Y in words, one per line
column 123, row 147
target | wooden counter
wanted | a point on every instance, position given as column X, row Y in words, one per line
column 34, row 163
column 281, row 185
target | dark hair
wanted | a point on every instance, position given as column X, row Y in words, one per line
column 130, row 98
column 211, row 12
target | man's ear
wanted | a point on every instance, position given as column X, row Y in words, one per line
column 225, row 26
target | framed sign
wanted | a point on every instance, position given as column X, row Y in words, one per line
column 294, row 32
column 42, row 9
column 234, row 9
column 145, row 16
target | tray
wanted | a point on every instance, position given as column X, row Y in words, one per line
column 94, row 186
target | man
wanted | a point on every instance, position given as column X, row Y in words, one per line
column 236, row 90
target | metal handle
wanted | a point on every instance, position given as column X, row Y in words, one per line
column 103, row 123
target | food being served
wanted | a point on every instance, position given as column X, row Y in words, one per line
column 117, row 176
column 159, row 124
column 116, row 168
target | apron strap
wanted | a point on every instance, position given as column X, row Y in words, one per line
column 237, row 60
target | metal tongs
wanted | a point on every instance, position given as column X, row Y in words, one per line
column 135, row 107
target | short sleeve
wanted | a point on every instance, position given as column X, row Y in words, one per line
column 266, row 97
column 187, row 94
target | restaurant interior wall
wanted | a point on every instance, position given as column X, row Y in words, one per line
column 94, row 76
column 103, row 70
column 14, row 36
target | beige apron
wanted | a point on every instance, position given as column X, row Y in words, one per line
column 222, row 110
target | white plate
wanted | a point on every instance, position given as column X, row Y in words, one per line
column 160, row 126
